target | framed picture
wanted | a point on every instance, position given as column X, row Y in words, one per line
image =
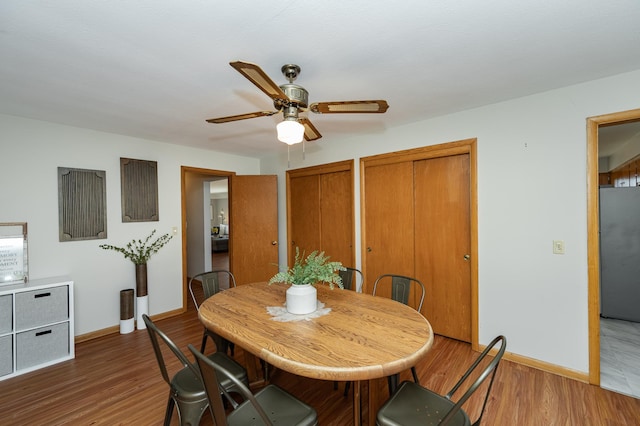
column 14, row 265
column 82, row 204
column 139, row 185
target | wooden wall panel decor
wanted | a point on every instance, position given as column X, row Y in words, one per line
column 139, row 184
column 82, row 204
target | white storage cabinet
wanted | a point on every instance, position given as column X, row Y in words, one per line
column 36, row 325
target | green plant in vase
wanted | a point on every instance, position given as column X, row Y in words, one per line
column 313, row 269
column 139, row 252
column 305, row 273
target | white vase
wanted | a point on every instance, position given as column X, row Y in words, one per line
column 142, row 307
column 302, row 299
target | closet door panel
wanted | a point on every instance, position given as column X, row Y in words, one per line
column 389, row 219
column 443, row 239
column 305, row 215
column 336, row 216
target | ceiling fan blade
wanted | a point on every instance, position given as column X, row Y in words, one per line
column 258, row 77
column 378, row 106
column 310, row 132
column 220, row 120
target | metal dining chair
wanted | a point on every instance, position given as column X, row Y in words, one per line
column 351, row 277
column 415, row 405
column 185, row 388
column 210, row 284
column 401, row 289
column 271, row 405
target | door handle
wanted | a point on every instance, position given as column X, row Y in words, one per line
column 274, row 243
column 369, row 249
column 466, row 257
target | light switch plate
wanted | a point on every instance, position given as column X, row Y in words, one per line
column 558, row 247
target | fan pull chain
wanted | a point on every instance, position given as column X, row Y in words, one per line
column 288, row 156
column 303, row 150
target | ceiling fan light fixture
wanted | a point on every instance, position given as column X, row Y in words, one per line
column 291, row 99
column 290, row 131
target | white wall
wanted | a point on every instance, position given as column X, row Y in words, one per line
column 531, row 191
column 30, row 153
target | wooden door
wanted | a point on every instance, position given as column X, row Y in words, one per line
column 253, row 248
column 389, row 218
column 320, row 211
column 336, row 223
column 304, row 203
column 443, row 244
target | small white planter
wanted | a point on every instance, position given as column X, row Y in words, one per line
column 302, row 299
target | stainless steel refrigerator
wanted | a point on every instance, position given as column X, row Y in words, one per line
column 620, row 253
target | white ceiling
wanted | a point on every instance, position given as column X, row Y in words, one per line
column 157, row 69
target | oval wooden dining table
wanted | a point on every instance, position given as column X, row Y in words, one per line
column 362, row 337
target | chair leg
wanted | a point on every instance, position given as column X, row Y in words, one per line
column 393, row 383
column 169, row 411
column 415, row 375
column 204, row 342
column 265, row 370
column 346, row 388
column 393, row 380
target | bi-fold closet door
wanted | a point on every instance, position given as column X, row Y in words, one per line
column 320, row 211
column 417, row 220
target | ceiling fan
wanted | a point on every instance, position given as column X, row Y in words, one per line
column 292, row 100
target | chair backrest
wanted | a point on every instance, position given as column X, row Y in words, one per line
column 401, row 288
column 210, row 283
column 209, row 371
column 351, row 276
column 488, row 371
column 155, row 334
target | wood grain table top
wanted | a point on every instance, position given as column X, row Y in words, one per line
column 363, row 337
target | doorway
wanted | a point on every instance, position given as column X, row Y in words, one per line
column 599, row 331
column 220, row 226
column 253, row 245
column 205, row 207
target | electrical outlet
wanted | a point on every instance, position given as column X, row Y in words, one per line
column 558, row 247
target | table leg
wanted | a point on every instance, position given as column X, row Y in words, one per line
column 357, row 409
column 374, row 398
column 252, row 371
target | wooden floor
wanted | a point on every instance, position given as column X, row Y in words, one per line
column 114, row 380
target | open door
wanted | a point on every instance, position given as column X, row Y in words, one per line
column 253, row 243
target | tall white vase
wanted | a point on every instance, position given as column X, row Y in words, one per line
column 142, row 307
column 302, row 299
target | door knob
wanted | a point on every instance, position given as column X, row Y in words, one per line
column 274, row 243
column 466, row 257
column 369, row 249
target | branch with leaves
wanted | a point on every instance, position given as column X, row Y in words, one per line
column 138, row 251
